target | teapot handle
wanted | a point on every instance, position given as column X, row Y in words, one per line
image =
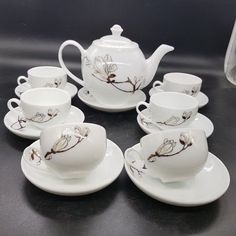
column 82, row 51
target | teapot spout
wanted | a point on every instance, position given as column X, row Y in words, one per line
column 154, row 60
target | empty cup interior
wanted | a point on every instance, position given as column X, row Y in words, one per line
column 45, row 97
column 173, row 100
column 46, row 72
column 182, row 78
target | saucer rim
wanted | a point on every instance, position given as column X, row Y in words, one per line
column 59, row 190
column 108, row 108
column 136, row 182
column 67, row 84
column 205, row 97
column 147, row 130
column 33, row 136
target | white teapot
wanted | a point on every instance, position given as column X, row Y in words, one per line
column 114, row 67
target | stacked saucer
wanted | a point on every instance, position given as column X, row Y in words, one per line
column 201, row 97
column 45, row 76
column 171, row 110
column 114, row 71
column 72, row 159
column 86, row 97
column 199, row 121
column 183, row 83
column 69, row 87
column 177, row 168
column 40, row 108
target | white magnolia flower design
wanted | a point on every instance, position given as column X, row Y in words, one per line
column 192, row 92
column 104, row 67
column 185, row 139
column 173, row 120
column 52, row 113
column 81, row 132
column 70, row 137
column 168, row 147
column 61, row 143
column 186, row 115
column 38, row 117
column 56, row 84
column 104, row 70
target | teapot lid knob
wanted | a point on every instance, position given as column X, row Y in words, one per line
column 116, row 30
column 115, row 40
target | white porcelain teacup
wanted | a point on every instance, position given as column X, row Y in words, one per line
column 43, row 107
column 171, row 155
column 44, row 76
column 170, row 110
column 73, row 150
column 179, row 82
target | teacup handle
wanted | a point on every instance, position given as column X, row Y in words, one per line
column 10, row 107
column 13, row 100
column 157, row 83
column 20, row 79
column 140, row 113
column 147, row 119
column 82, row 51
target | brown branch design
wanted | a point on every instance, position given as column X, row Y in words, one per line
column 104, row 70
column 167, row 148
column 172, row 121
column 68, row 140
column 175, row 120
column 134, row 169
column 19, row 124
column 35, row 156
column 40, row 117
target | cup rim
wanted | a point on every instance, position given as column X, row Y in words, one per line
column 22, row 98
column 59, row 72
column 197, row 79
column 175, row 131
column 193, row 100
column 70, row 124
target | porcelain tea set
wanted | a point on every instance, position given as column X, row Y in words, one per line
column 171, row 163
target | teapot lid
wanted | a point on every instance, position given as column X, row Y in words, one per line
column 115, row 39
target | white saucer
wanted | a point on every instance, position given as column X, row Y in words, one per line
column 200, row 122
column 70, row 88
column 201, row 97
column 107, row 171
column 85, row 96
column 31, row 132
column 207, row 186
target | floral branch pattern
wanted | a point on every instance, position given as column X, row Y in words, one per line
column 35, row 156
column 193, row 91
column 19, row 124
column 104, row 70
column 134, row 169
column 56, row 84
column 172, row 121
column 167, row 148
column 40, row 117
column 175, row 120
column 68, row 140
column 145, row 122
